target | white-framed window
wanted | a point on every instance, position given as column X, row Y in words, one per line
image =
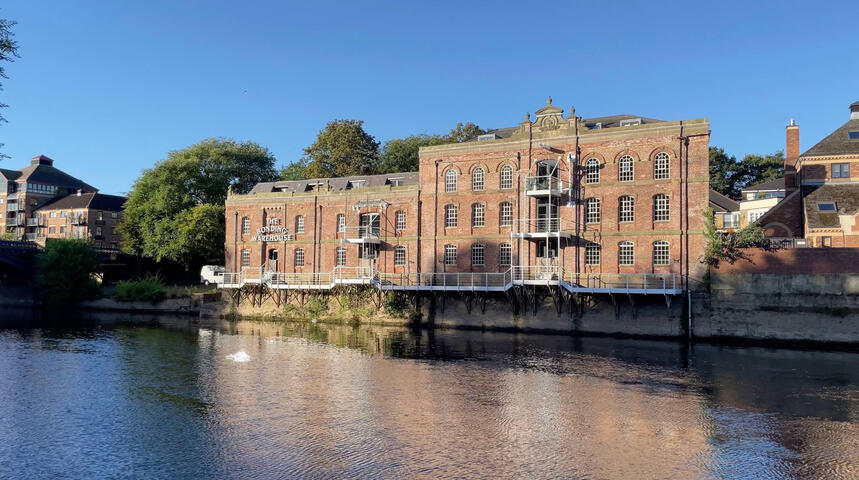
column 63, row 214
column 505, row 255
column 660, row 208
column 450, row 215
column 660, row 252
column 450, row 181
column 477, row 218
column 592, row 210
column 299, row 257
column 246, row 257
column 625, row 254
column 661, row 166
column 506, row 182
column 450, row 254
column 506, row 214
column 53, row 214
column 400, row 220
column 246, row 226
column 626, row 207
column 299, row 224
column 477, row 254
column 478, row 177
column 114, row 214
column 731, row 220
column 341, row 256
column 100, row 216
column 754, row 215
column 625, row 171
column 841, row 170
column 592, row 254
column 592, row 171
column 341, row 222
column 399, row 255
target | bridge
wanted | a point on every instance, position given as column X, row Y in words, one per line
column 19, row 256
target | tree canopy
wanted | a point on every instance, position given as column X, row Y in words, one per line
column 175, row 210
column 8, row 53
column 401, row 154
column 341, row 149
column 66, row 271
column 729, row 176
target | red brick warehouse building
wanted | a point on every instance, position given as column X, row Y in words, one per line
column 607, row 195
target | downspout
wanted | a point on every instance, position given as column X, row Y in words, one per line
column 315, row 200
column 235, row 240
column 435, row 224
column 420, row 220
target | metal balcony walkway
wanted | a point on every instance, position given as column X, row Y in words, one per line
column 631, row 284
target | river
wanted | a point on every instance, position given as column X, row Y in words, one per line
column 170, row 399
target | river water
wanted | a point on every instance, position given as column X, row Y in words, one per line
column 248, row 400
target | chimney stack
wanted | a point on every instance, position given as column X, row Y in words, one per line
column 791, row 155
column 854, row 111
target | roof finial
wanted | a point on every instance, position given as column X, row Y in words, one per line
column 527, row 116
column 572, row 112
column 549, row 100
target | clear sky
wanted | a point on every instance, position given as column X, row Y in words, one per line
column 108, row 88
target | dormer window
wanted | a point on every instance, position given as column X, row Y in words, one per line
column 853, row 135
column 825, row 206
column 395, row 182
column 356, row 184
column 630, row 122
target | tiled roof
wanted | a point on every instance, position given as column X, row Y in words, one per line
column 50, row 175
column 837, row 142
column 845, row 196
column 95, row 201
column 721, row 203
column 777, row 184
column 10, row 174
column 336, row 183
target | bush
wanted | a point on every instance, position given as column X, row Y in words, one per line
column 67, row 271
column 395, row 304
column 147, row 289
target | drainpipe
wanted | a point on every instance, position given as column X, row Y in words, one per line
column 420, row 220
column 315, row 200
column 435, row 224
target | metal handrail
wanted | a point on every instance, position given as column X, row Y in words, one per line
column 543, row 182
column 539, row 225
column 364, row 231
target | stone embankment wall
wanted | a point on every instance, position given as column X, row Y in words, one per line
column 793, row 294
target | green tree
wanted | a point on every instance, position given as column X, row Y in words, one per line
column 66, row 271
column 341, row 149
column 8, row 53
column 401, row 154
column 175, row 210
column 729, row 246
column 724, row 170
column 465, row 132
column 756, row 169
column 293, row 171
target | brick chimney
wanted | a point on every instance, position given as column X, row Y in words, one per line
column 791, row 155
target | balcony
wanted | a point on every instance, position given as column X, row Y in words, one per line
column 31, row 237
column 34, row 222
column 76, row 219
column 11, row 206
column 11, row 222
column 362, row 234
column 543, row 186
column 541, row 228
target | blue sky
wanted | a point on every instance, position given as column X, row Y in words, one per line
column 108, row 88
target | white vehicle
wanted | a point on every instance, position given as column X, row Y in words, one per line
column 211, row 274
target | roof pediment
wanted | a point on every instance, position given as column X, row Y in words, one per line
column 549, row 109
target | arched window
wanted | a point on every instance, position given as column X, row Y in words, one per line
column 477, row 219
column 299, row 257
column 626, row 209
column 477, row 179
column 625, row 169
column 246, row 258
column 506, row 214
column 246, row 226
column 341, row 223
column 592, row 210
column 661, row 166
column 341, row 256
column 592, row 171
column 660, row 208
column 400, row 222
column 506, row 177
column 592, row 254
column 660, row 252
column 625, row 254
column 450, row 254
column 450, row 215
column 299, row 224
column 399, row 255
column 450, row 181
column 478, row 251
column 505, row 255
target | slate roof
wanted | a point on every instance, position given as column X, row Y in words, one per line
column 10, row 174
column 837, row 142
column 845, row 196
column 610, row 121
column 777, row 184
column 94, row 201
column 50, row 175
column 336, row 183
column 721, row 203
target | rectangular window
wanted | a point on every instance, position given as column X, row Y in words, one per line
column 626, row 254
column 62, row 229
column 399, row 255
column 477, row 215
column 341, row 256
column 506, row 214
column 63, row 214
column 477, row 255
column 114, row 214
column 755, row 215
column 53, row 214
column 660, row 208
column 450, row 216
column 246, row 226
column 592, row 254
column 100, row 216
column 246, row 257
column 627, row 209
column 98, row 231
column 506, row 177
column 450, row 254
column 52, row 230
column 299, row 224
column 401, row 221
column 731, row 220
column 299, row 257
column 341, row 223
column 660, row 253
column 827, row 241
column 505, row 255
column 840, row 170
column 592, row 210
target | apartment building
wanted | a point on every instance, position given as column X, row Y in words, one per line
column 617, row 194
column 95, row 216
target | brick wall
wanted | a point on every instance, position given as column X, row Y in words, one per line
column 796, row 261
